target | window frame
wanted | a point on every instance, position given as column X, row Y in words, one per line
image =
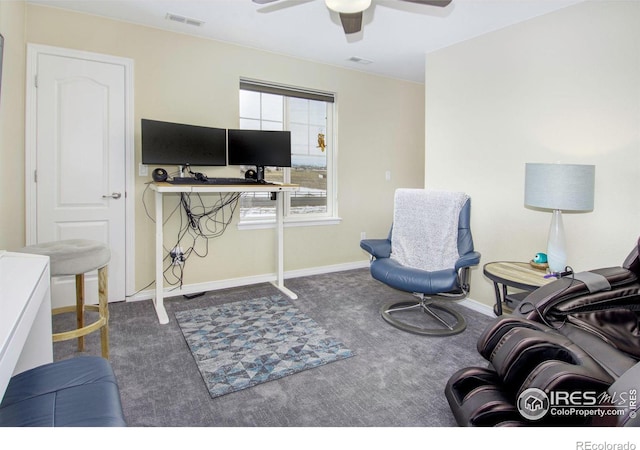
column 330, row 217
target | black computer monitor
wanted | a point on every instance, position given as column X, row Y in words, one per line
column 183, row 145
column 260, row 148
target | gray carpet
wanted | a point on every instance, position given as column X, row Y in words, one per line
column 395, row 378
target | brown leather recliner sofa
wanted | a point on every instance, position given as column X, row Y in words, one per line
column 568, row 356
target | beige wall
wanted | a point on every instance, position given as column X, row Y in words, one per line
column 565, row 86
column 562, row 87
column 12, row 230
column 187, row 79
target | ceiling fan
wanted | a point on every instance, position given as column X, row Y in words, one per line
column 350, row 11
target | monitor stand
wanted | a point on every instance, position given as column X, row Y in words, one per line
column 260, row 174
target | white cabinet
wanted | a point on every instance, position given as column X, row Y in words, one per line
column 25, row 314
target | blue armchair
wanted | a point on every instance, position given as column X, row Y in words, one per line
column 429, row 285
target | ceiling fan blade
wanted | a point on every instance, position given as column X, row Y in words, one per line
column 441, row 3
column 351, row 22
column 264, row 2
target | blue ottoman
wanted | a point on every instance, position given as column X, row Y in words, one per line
column 76, row 392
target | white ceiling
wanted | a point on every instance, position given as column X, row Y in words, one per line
column 395, row 37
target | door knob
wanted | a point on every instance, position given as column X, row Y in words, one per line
column 115, row 195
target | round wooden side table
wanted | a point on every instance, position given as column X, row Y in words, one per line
column 517, row 275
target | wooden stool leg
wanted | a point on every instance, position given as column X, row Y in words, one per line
column 103, row 310
column 80, row 308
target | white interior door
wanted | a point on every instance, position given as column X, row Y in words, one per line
column 81, row 119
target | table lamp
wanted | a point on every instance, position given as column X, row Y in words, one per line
column 559, row 187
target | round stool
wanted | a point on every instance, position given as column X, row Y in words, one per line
column 77, row 257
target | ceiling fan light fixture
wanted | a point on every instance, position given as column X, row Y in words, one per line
column 347, row 6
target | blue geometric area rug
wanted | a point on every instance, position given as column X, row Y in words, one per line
column 241, row 344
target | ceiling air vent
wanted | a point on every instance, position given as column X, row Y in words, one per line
column 185, row 20
column 357, row 59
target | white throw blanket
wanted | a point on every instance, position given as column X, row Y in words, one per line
column 425, row 228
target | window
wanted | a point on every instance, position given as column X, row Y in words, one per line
column 308, row 115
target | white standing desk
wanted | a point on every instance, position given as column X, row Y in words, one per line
column 166, row 188
column 25, row 314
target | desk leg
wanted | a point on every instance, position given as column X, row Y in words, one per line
column 279, row 283
column 158, row 301
column 497, row 309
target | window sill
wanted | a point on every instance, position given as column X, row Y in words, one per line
column 289, row 222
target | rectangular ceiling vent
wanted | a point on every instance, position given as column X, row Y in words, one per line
column 358, row 60
column 185, row 20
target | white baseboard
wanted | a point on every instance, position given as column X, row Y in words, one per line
column 326, row 269
column 477, row 306
column 189, row 289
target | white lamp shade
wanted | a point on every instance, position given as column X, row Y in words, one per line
column 348, row 6
column 566, row 187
